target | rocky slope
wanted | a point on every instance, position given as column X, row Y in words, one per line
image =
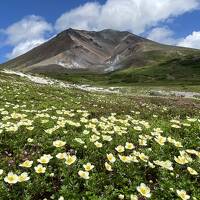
column 78, row 51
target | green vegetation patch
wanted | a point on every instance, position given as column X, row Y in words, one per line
column 60, row 143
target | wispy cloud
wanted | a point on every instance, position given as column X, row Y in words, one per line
column 166, row 36
column 162, row 35
column 23, row 47
column 192, row 40
column 26, row 34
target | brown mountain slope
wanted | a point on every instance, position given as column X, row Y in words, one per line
column 79, row 51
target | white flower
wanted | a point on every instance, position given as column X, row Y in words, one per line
column 26, row 164
column 182, row 194
column 98, row 144
column 107, row 138
column 133, row 197
column 88, row 167
column 119, row 149
column 165, row 164
column 192, row 171
column 129, row 146
column 79, row 140
column 23, row 177
column 70, row 159
column 83, row 174
column 29, row 140
column 144, row 190
column 160, row 140
column 1, row 172
column 45, row 159
column 137, row 128
column 40, row 169
column 108, row 167
column 11, row 178
column 175, row 126
column 59, row 143
column 61, row 155
column 121, row 196
column 125, row 159
column 111, row 158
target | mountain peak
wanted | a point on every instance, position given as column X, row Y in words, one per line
column 109, row 31
column 91, row 52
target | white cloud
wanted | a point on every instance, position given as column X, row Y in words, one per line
column 29, row 28
column 162, row 35
column 166, row 36
column 83, row 17
column 26, row 34
column 23, row 47
column 133, row 15
column 192, row 41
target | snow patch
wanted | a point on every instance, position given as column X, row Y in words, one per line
column 73, row 65
column 48, row 81
column 114, row 66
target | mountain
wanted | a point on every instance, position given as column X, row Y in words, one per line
column 106, row 52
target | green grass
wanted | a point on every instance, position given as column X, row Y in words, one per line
column 169, row 73
column 180, row 73
column 44, row 107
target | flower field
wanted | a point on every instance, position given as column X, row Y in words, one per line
column 69, row 144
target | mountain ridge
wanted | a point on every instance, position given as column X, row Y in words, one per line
column 104, row 52
column 98, row 48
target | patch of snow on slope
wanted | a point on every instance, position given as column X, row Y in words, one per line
column 114, row 66
column 73, row 65
column 48, row 81
column 34, row 79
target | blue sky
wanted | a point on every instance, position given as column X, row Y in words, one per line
column 26, row 24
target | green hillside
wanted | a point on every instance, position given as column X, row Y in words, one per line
column 162, row 70
column 184, row 70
